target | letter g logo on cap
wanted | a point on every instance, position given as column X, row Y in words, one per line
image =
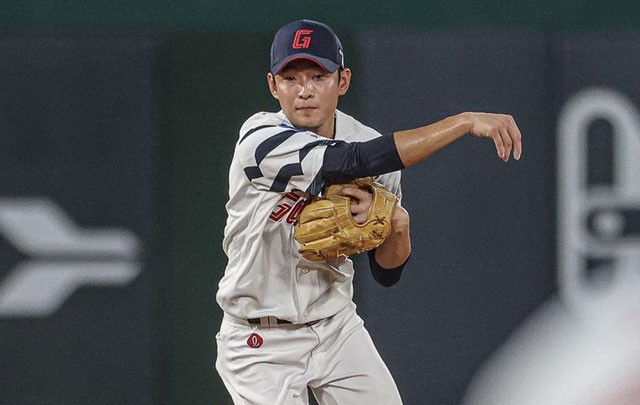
column 302, row 39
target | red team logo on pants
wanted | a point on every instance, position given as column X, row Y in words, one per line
column 255, row 340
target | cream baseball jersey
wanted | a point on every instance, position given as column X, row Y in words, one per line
column 275, row 167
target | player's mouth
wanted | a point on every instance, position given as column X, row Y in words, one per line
column 306, row 108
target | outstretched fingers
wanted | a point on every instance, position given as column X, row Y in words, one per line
column 507, row 138
column 516, row 135
column 507, row 142
column 497, row 140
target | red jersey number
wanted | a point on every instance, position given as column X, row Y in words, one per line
column 290, row 206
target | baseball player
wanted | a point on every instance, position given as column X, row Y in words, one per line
column 290, row 323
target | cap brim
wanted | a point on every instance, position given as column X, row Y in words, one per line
column 326, row 64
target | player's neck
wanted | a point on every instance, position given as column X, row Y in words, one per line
column 327, row 130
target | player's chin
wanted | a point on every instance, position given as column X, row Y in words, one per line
column 307, row 121
column 307, row 113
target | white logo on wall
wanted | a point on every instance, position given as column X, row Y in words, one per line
column 583, row 348
column 61, row 257
column 613, row 237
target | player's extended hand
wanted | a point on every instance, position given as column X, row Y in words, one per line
column 501, row 128
column 360, row 202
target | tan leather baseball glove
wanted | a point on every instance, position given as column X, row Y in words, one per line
column 326, row 229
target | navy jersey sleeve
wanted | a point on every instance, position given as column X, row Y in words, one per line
column 385, row 277
column 347, row 161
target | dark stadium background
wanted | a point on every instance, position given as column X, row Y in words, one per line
column 125, row 115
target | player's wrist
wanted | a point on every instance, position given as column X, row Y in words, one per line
column 393, row 253
column 464, row 121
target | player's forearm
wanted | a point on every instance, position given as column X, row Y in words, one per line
column 397, row 247
column 394, row 251
column 415, row 145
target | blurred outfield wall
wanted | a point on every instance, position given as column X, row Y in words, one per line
column 264, row 15
column 455, row 306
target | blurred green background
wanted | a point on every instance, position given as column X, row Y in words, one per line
column 263, row 15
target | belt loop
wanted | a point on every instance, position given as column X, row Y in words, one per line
column 264, row 321
column 273, row 321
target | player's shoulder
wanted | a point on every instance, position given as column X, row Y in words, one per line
column 263, row 120
column 354, row 130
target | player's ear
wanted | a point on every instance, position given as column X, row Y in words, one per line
column 345, row 81
column 271, row 82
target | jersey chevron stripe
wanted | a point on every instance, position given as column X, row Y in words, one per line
column 251, row 131
column 271, row 143
column 284, row 175
column 316, row 185
column 308, row 147
column 253, row 172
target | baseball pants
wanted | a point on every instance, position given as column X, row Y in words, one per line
column 335, row 357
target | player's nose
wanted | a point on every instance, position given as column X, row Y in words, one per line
column 306, row 89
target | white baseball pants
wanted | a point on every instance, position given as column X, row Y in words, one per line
column 336, row 358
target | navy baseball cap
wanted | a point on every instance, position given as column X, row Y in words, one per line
column 306, row 39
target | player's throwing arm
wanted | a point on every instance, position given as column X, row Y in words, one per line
column 415, row 145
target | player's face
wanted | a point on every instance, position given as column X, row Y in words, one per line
column 308, row 94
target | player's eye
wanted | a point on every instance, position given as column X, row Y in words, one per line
column 318, row 77
column 289, row 78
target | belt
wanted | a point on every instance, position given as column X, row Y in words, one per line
column 273, row 321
